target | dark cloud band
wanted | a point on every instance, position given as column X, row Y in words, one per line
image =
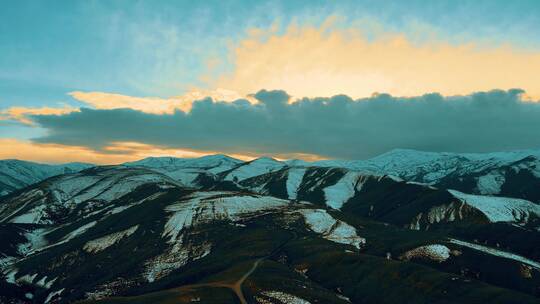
column 336, row 127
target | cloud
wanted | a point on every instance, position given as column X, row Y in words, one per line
column 109, row 101
column 335, row 127
column 154, row 105
column 22, row 114
column 115, row 153
column 328, row 60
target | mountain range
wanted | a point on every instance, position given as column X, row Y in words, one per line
column 406, row 226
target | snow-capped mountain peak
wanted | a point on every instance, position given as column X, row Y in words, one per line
column 253, row 168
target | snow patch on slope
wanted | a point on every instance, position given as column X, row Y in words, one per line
column 6, row 261
column 43, row 282
column 500, row 209
column 171, row 165
column 61, row 195
column 33, row 216
column 187, row 170
column 114, row 188
column 53, row 295
column 284, row 297
column 254, row 168
column 104, row 242
column 435, row 252
column 75, row 233
column 35, row 240
column 331, row 229
column 440, row 214
column 204, row 207
column 294, row 179
column 497, row 252
column 490, row 183
column 339, row 193
column 176, row 256
column 125, row 207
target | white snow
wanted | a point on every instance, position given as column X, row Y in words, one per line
column 43, row 282
column 338, row 194
column 331, row 229
column 18, row 174
column 53, row 294
column 120, row 186
column 435, row 252
column 343, row 297
column 294, row 179
column 490, row 183
column 104, row 242
column 26, row 198
column 442, row 213
column 533, row 166
column 106, row 185
column 170, row 165
column 431, row 167
column 27, row 278
column 297, row 163
column 73, row 234
column 185, row 176
column 6, row 261
column 110, row 288
column 421, row 184
column 125, row 207
column 497, row 252
column 62, row 195
column 174, row 257
column 186, row 170
column 500, row 209
column 203, row 207
column 10, row 274
column 35, row 240
column 34, row 216
column 254, row 168
column 284, row 297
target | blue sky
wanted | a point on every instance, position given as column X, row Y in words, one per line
column 166, row 48
column 50, row 48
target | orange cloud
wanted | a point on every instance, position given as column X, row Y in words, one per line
column 310, row 61
column 21, row 113
column 154, row 105
column 135, row 151
column 115, row 154
column 108, row 101
column 303, row 156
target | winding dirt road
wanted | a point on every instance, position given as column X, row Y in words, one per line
column 236, row 287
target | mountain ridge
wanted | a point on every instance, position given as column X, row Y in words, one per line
column 480, row 173
column 205, row 222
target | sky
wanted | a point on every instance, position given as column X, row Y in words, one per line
column 113, row 81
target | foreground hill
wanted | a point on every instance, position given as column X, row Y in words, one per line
column 262, row 232
column 220, row 230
